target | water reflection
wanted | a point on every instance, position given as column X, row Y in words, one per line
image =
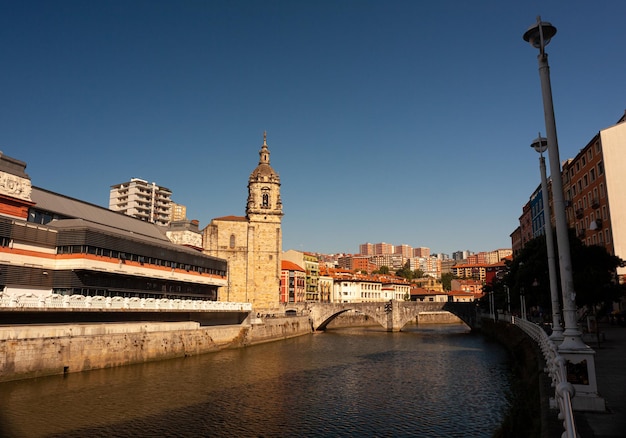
column 426, row 381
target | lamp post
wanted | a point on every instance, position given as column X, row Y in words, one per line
column 541, row 145
column 576, row 354
column 539, row 36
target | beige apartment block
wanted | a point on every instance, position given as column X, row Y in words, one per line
column 143, row 200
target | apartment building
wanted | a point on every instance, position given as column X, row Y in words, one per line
column 474, row 271
column 594, row 182
column 422, row 251
column 311, row 265
column 366, row 249
column 392, row 261
column 142, row 200
column 356, row 263
column 292, row 283
column 178, row 212
column 383, row 248
column 405, row 251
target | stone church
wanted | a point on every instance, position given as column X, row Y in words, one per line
column 252, row 244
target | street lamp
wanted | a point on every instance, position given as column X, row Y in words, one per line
column 539, row 35
column 541, row 145
column 576, row 354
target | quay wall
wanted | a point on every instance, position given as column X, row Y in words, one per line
column 353, row 319
column 274, row 329
column 28, row 351
column 529, row 413
column 35, row 351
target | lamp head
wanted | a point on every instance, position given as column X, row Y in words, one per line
column 540, row 144
column 540, row 34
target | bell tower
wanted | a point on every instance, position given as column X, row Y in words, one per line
column 252, row 244
column 264, row 203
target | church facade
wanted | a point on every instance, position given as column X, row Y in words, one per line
column 252, row 244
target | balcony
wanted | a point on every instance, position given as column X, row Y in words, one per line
column 580, row 213
column 595, row 203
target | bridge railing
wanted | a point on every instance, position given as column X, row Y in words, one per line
column 54, row 301
column 556, row 369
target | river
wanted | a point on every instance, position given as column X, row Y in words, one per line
column 426, row 381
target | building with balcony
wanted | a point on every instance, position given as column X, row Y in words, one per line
column 143, row 200
column 292, row 283
column 594, row 183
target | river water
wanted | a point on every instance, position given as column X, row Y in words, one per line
column 426, row 381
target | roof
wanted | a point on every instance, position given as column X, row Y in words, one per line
column 73, row 208
column 286, row 265
column 231, row 218
column 82, row 214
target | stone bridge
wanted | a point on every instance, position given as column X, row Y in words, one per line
column 392, row 315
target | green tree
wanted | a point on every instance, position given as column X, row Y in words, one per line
column 593, row 271
column 382, row 270
column 405, row 271
column 446, row 281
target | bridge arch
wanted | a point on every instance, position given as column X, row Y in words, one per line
column 391, row 315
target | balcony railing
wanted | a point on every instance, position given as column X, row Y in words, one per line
column 55, row 301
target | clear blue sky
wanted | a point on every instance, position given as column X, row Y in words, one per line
column 388, row 121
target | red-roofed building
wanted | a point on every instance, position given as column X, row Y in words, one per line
column 292, row 282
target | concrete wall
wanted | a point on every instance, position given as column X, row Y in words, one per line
column 34, row 351
column 438, row 318
column 272, row 329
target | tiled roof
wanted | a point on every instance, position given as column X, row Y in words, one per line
column 286, row 265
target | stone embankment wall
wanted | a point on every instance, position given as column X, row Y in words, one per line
column 352, row 319
column 42, row 350
column 529, row 413
column 34, row 351
column 274, row 329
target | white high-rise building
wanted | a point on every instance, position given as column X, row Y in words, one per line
column 143, row 200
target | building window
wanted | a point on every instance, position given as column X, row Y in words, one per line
column 600, row 168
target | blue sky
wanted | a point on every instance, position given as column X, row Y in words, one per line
column 388, row 121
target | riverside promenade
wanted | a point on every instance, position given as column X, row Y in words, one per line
column 610, row 361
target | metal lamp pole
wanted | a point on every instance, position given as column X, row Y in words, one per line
column 539, row 36
column 541, row 145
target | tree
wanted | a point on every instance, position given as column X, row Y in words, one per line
column 593, row 271
column 382, row 270
column 418, row 273
column 405, row 271
column 446, row 281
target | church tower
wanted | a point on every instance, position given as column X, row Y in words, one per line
column 252, row 244
column 264, row 204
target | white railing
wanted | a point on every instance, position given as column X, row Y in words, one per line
column 54, row 301
column 555, row 368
